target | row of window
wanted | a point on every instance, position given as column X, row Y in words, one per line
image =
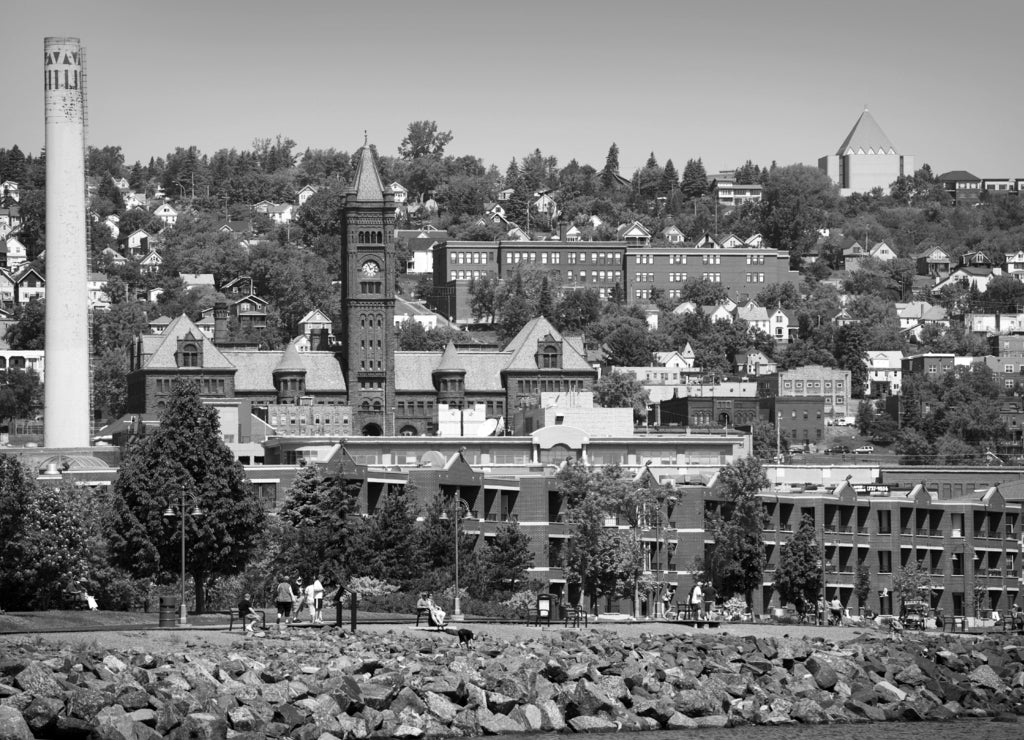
column 595, row 275
column 418, row 407
column 812, row 385
column 755, row 277
column 552, row 385
column 472, row 258
column 207, row 386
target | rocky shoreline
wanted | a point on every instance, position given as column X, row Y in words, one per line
column 410, row 684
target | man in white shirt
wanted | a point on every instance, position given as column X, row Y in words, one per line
column 310, row 606
column 318, row 600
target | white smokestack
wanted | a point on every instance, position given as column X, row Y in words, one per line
column 66, row 400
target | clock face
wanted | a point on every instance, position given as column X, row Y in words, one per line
column 370, row 269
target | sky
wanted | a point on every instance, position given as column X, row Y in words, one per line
column 782, row 80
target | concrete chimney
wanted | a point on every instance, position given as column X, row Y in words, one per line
column 324, row 343
column 220, row 322
column 66, row 400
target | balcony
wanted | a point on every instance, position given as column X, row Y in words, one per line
column 862, row 529
column 906, row 531
column 985, row 533
column 491, row 517
column 785, row 527
column 845, row 529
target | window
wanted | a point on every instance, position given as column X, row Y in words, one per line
column 189, row 355
column 884, row 561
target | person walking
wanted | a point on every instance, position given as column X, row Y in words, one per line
column 310, row 599
column 284, row 601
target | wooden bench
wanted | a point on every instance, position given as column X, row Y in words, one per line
column 422, row 612
column 232, row 615
column 954, row 624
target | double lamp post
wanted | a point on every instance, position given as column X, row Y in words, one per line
column 169, row 513
column 460, row 510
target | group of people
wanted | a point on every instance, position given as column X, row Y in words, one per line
column 700, row 599
column 435, row 614
column 289, row 600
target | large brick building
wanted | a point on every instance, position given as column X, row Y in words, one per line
column 742, row 268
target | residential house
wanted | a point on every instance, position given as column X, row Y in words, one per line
column 238, row 287
column 885, row 373
column 545, row 204
column 280, row 213
column 308, row 191
column 197, row 280
column 989, row 324
column 684, row 360
column 506, row 194
column 969, row 277
column 159, row 324
column 833, row 384
column 721, row 312
column 932, row 261
column 8, row 290
column 121, row 183
column 112, row 224
column 730, row 241
column 9, row 193
column 853, row 253
column 573, row 234
column 115, row 257
column 672, row 235
column 151, row 262
column 963, row 187
column 138, row 242
column 314, row 323
column 96, row 283
column 133, row 200
column 783, row 324
column 916, row 315
column 754, row 363
column 10, row 219
column 29, row 284
column 634, row 234
column 516, row 234
column 756, row 317
column 418, row 312
column 883, row 252
column 400, row 191
column 166, row 213
column 12, row 253
column 754, row 240
column 928, row 364
column 1015, row 265
column 729, row 193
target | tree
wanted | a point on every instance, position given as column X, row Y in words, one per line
column 798, row 578
column 185, row 453
column 795, row 204
column 736, row 559
column 622, row 390
column 20, row 393
column 851, row 354
column 611, row 167
column 766, row 441
column 424, row 140
column 29, row 328
column 912, row 582
column 576, row 309
column 914, row 448
column 507, row 557
column 382, row 549
column 695, row 180
column 862, row 582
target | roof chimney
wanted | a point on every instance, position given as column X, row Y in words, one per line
column 324, row 344
column 220, row 322
column 563, row 231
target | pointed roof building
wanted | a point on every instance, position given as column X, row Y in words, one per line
column 367, row 185
column 866, row 159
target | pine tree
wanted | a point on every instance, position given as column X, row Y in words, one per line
column 695, row 180
column 507, row 557
column 545, row 302
column 669, row 179
column 611, row 167
column 385, row 543
column 186, row 453
column 652, row 161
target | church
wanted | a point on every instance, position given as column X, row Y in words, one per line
column 866, row 159
column 360, row 385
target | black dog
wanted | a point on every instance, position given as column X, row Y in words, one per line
column 465, row 637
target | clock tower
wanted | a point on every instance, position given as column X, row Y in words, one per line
column 368, row 299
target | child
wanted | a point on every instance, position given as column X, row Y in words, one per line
column 248, row 616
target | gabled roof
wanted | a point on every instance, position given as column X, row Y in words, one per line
column 523, row 347
column 256, row 369
column 866, row 137
column 367, row 185
column 958, row 176
column 316, row 316
column 163, row 355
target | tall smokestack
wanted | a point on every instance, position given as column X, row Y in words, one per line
column 66, row 401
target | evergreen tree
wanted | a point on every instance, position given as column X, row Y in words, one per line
column 652, row 162
column 695, row 180
column 669, row 179
column 507, row 557
column 611, row 167
column 186, row 454
column 545, row 303
column 385, row 541
column 798, row 578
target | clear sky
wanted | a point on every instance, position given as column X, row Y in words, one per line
column 783, row 80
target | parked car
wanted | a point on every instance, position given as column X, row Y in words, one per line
column 838, row 450
column 864, row 450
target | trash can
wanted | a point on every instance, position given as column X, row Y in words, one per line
column 168, row 611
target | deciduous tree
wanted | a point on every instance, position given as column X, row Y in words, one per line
column 798, row 578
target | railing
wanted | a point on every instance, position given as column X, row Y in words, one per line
column 1009, row 532
column 846, row 529
column 785, row 527
column 906, row 530
column 985, row 533
column 862, row 529
column 491, row 517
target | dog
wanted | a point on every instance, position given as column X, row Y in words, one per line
column 465, row 636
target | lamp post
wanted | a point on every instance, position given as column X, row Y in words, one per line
column 170, row 513
column 460, row 510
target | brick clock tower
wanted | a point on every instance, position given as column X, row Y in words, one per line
column 368, row 299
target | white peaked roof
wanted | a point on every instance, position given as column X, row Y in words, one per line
column 866, row 137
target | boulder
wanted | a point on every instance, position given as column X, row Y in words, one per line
column 38, row 680
column 589, row 723
column 12, row 725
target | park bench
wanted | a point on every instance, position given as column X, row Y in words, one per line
column 232, row 615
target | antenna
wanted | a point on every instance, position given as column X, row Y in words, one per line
column 366, row 137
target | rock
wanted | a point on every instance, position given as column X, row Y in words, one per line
column 13, row 726
column 588, row 723
column 717, row 720
column 679, row 721
column 498, row 724
column 808, row 712
column 985, row 676
column 114, row 664
column 41, row 714
column 72, row 728
column 408, row 731
column 696, row 703
column 552, row 718
column 86, row 703
column 888, row 693
column 204, row 726
column 38, row 680
column 529, row 716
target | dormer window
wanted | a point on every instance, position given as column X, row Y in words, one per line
column 549, row 353
column 189, row 355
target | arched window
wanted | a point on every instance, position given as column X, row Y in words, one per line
column 376, row 406
column 366, row 405
column 189, row 355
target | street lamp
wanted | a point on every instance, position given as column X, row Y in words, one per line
column 170, row 513
column 460, row 511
